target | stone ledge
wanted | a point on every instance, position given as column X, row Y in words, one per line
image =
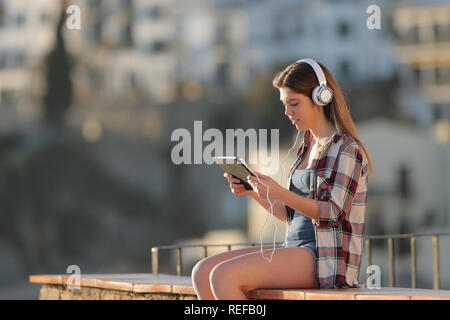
column 61, row 292
column 137, row 283
column 350, row 294
column 169, row 287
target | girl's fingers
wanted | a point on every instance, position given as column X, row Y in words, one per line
column 236, row 185
column 228, row 176
column 235, row 181
column 237, row 189
column 231, row 179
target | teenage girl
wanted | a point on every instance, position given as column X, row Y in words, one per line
column 324, row 205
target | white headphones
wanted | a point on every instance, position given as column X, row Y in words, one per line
column 321, row 95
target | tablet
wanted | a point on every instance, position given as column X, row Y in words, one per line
column 236, row 167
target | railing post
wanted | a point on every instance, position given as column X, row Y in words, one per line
column 436, row 262
column 155, row 261
column 179, row 265
column 391, row 263
column 413, row 263
column 205, row 251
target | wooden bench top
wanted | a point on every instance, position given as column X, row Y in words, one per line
column 163, row 283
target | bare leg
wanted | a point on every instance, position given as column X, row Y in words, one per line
column 201, row 271
column 290, row 268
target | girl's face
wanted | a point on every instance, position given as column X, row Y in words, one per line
column 299, row 108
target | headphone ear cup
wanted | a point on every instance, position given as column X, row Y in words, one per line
column 316, row 95
column 322, row 95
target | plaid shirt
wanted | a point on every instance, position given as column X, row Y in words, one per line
column 339, row 183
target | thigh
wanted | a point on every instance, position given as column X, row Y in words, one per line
column 206, row 264
column 290, row 268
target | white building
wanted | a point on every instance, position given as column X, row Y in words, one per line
column 228, row 43
column 408, row 194
column 333, row 32
column 162, row 45
column 211, row 39
column 412, row 177
column 26, row 34
column 423, row 53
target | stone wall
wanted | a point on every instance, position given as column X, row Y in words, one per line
column 61, row 292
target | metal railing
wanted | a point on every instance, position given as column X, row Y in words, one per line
column 412, row 236
column 178, row 248
column 368, row 248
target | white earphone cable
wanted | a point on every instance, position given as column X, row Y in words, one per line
column 270, row 211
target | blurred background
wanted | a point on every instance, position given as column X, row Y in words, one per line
column 86, row 117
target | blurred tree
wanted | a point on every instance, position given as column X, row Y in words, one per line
column 58, row 96
column 58, row 204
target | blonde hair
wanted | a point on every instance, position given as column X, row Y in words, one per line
column 301, row 78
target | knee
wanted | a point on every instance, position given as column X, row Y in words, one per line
column 201, row 271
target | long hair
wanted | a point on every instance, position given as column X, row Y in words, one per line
column 301, row 78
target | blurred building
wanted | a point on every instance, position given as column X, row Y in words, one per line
column 333, row 32
column 175, row 49
column 232, row 42
column 166, row 46
column 104, row 49
column 212, row 36
column 27, row 30
column 407, row 194
column 422, row 30
column 169, row 49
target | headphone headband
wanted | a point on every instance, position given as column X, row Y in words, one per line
column 321, row 95
column 317, row 69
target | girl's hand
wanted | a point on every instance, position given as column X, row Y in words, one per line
column 237, row 187
column 261, row 188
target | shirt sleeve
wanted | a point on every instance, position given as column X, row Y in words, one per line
column 337, row 201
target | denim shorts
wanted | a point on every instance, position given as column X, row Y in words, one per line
column 310, row 246
column 301, row 234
